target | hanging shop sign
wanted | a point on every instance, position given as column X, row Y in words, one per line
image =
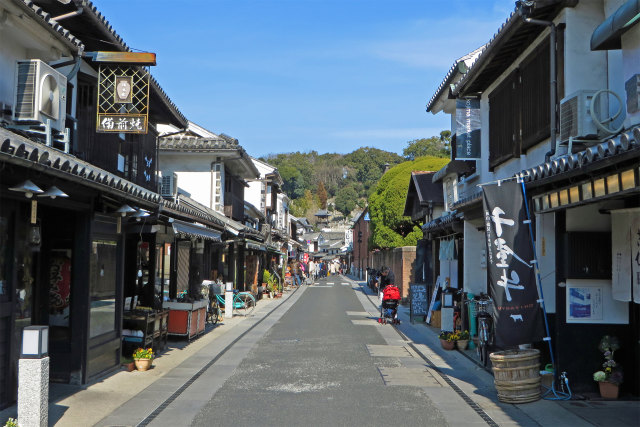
column 123, row 91
column 467, row 129
column 517, row 313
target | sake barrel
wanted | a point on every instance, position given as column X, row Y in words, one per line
column 517, row 375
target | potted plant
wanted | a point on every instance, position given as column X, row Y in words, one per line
column 447, row 340
column 266, row 282
column 128, row 364
column 462, row 340
column 143, row 357
column 610, row 377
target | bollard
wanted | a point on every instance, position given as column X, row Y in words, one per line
column 228, row 301
column 33, row 377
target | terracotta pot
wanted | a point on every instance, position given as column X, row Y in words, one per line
column 143, row 364
column 608, row 390
column 447, row 345
column 129, row 366
column 462, row 344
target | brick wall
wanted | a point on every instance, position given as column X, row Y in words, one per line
column 401, row 261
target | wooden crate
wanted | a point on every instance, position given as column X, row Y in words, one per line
column 435, row 319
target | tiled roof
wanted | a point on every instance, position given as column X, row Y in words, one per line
column 627, row 144
column 20, row 150
column 442, row 222
column 91, row 14
column 511, row 39
column 36, row 10
column 467, row 60
column 193, row 143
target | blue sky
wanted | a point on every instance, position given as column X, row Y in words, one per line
column 301, row 75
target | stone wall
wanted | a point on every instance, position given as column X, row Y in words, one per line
column 401, row 261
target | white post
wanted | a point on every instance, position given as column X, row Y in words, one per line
column 33, row 392
column 228, row 301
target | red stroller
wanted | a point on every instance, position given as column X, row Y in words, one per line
column 389, row 307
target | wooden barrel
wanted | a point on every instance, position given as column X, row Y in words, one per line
column 517, row 375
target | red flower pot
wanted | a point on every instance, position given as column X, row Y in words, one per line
column 608, row 390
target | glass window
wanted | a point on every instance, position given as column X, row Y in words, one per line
column 103, row 287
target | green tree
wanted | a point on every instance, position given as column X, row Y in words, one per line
column 389, row 227
column 322, row 195
column 346, row 199
column 436, row 146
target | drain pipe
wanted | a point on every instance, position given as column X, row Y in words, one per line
column 552, row 72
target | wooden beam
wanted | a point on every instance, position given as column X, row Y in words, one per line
column 133, row 58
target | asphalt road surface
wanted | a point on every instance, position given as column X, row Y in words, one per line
column 326, row 361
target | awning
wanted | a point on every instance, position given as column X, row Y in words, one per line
column 607, row 35
column 454, row 166
column 254, row 246
column 185, row 229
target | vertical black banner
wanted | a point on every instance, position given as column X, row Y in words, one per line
column 511, row 273
column 468, row 124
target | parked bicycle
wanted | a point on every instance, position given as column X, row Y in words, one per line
column 243, row 303
column 482, row 306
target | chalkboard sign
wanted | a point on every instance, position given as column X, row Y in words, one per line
column 418, row 295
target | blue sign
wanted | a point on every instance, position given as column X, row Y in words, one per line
column 366, row 217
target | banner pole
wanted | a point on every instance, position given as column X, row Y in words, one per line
column 535, row 256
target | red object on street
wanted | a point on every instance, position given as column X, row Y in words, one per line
column 391, row 292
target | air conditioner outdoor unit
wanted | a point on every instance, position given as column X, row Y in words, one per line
column 40, row 94
column 575, row 116
column 169, row 186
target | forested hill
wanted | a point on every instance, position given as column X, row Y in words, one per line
column 341, row 182
column 319, row 181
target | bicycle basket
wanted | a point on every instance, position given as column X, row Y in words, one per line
column 481, row 306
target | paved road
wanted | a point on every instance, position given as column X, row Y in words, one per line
column 315, row 367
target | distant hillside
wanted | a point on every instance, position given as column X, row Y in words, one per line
column 343, row 182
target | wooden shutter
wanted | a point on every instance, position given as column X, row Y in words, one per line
column 534, row 92
column 503, row 120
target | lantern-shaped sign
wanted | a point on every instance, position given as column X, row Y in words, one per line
column 123, row 91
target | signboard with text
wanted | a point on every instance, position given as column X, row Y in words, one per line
column 467, row 129
column 517, row 313
column 123, row 98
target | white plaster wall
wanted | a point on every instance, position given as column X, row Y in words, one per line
column 23, row 38
column 588, row 218
column 198, row 184
column 475, row 245
column 546, row 254
column 253, row 193
column 581, row 21
column 194, row 174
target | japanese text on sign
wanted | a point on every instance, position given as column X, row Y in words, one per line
column 122, row 123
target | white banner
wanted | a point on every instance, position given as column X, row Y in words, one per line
column 625, row 255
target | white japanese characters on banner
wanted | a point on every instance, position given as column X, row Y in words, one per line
column 517, row 313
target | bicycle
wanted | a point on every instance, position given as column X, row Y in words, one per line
column 482, row 307
column 243, row 302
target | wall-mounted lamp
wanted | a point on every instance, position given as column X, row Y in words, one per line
column 140, row 213
column 125, row 209
column 28, row 188
column 53, row 192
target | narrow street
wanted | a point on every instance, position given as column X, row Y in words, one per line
column 321, row 358
column 323, row 363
